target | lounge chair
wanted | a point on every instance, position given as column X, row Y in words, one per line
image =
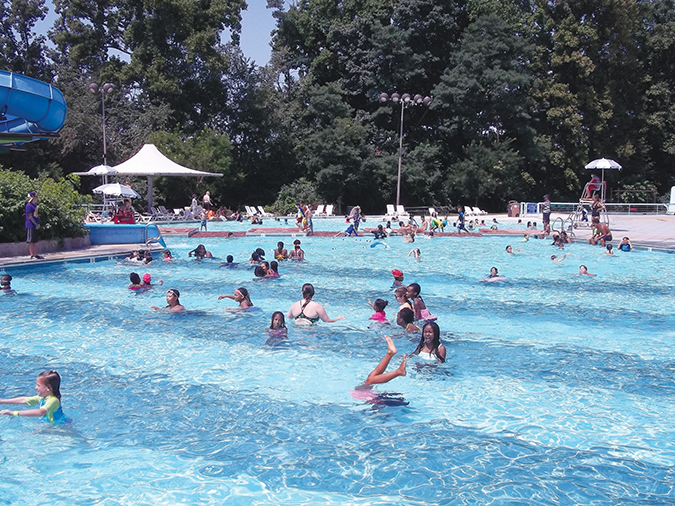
column 319, row 210
column 250, row 211
column 264, row 213
column 329, row 210
column 432, row 212
column 479, row 211
column 401, row 212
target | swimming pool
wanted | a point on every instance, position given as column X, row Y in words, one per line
column 558, row 389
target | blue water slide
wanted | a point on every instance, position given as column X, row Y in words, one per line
column 29, row 106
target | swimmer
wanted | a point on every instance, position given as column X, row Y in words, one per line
column 401, row 294
column 135, row 256
column 583, row 271
column 556, row 259
column 47, row 400
column 147, row 281
column 167, row 255
column 608, row 250
column 398, row 278
column 308, row 312
column 509, row 250
column 200, row 252
column 273, row 271
column 405, row 318
column 494, row 276
column 241, row 296
column 419, row 307
column 147, row 257
column 415, row 253
column 625, row 244
column 378, row 375
column 379, row 315
column 229, row 262
column 526, row 237
column 136, row 283
column 173, row 304
column 280, row 253
column 6, row 284
column 351, row 230
column 297, row 253
column 277, row 329
column 430, row 347
column 380, row 233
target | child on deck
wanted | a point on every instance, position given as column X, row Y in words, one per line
column 48, row 399
column 378, row 306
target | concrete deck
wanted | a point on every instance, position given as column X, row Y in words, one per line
column 644, row 231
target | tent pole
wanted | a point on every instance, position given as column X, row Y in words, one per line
column 150, row 194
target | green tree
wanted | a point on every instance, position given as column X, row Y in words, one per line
column 22, row 50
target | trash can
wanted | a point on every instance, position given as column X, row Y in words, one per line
column 514, row 209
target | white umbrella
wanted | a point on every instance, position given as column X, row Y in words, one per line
column 603, row 164
column 116, row 189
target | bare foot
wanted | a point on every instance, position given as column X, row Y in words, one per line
column 401, row 368
column 391, row 348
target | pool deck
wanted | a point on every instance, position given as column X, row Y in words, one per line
column 645, row 231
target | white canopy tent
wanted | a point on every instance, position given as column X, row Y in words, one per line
column 150, row 162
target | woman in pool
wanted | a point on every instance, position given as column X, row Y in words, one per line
column 173, row 304
column 48, row 399
column 430, row 347
column 280, row 253
column 277, row 328
column 241, row 296
column 200, row 252
column 308, row 312
column 415, row 253
column 419, row 307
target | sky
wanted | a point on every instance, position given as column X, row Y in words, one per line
column 257, row 23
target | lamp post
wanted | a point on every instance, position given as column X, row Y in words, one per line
column 405, row 101
column 103, row 90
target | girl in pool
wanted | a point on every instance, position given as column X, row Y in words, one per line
column 401, row 294
column 167, row 255
column 625, row 244
column 200, row 252
column 273, row 271
column 135, row 282
column 378, row 306
column 6, row 284
column 280, row 253
column 430, row 347
column 398, row 278
column 405, row 319
column 378, row 375
column 419, row 307
column 415, row 253
column 277, row 328
column 173, row 304
column 48, row 399
column 308, row 312
column 297, row 252
column 241, row 296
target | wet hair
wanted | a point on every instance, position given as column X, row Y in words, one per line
column 6, row 279
column 495, row 269
column 307, row 291
column 259, row 272
column 584, row 267
column 380, row 304
column 283, row 319
column 229, row 259
column 507, row 248
column 609, row 247
column 176, row 293
column 280, row 246
column 148, row 256
column 435, row 343
column 406, row 315
column 135, row 278
column 255, row 256
column 200, row 248
column 401, row 291
column 553, row 257
column 244, row 292
column 260, row 252
column 265, row 265
column 167, row 253
column 53, row 381
column 274, row 265
column 415, row 287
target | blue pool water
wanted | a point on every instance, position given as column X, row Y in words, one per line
column 558, row 389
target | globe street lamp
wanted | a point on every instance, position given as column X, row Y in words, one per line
column 103, row 90
column 405, row 101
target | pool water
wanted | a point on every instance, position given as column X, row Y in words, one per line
column 558, row 388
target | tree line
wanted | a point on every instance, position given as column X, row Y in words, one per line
column 525, row 93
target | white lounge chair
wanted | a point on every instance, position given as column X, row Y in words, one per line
column 319, row 210
column 264, row 213
column 479, row 211
column 401, row 212
column 329, row 210
column 250, row 211
column 432, row 212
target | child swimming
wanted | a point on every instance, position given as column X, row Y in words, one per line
column 277, row 328
column 47, row 400
column 379, row 315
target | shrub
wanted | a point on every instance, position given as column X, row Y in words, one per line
column 61, row 208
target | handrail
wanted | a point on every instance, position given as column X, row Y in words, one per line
column 612, row 207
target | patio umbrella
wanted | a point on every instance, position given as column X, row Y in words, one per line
column 603, row 164
column 116, row 189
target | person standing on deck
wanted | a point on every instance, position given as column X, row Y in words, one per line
column 32, row 224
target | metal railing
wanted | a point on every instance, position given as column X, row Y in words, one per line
column 657, row 208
